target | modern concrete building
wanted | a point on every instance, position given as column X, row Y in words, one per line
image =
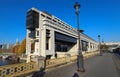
column 112, row 45
column 51, row 37
column 6, row 46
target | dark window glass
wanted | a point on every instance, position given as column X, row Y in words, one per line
column 32, row 34
column 32, row 20
column 37, row 33
column 47, row 43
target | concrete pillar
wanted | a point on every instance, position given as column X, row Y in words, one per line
column 28, row 58
column 36, row 48
column 52, row 43
column 41, row 62
column 40, row 34
column 89, row 49
column 28, row 43
column 43, row 42
column 92, row 47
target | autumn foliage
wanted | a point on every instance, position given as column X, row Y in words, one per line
column 104, row 46
column 20, row 48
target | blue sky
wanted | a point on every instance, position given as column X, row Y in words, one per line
column 96, row 17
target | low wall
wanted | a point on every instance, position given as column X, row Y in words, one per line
column 67, row 59
column 17, row 69
column 24, row 68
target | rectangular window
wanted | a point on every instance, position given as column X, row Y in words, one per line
column 37, row 33
column 47, row 39
column 47, row 43
column 32, row 34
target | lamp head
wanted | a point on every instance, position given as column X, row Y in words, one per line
column 99, row 36
column 76, row 7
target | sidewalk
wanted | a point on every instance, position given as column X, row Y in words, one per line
column 98, row 66
column 116, row 59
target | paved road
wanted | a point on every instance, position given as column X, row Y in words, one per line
column 98, row 66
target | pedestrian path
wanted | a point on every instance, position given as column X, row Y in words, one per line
column 98, row 66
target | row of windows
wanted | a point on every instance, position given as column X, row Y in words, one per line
column 61, row 30
column 61, row 24
column 58, row 21
column 91, row 44
column 66, row 29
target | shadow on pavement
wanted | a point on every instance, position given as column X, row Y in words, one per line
column 75, row 75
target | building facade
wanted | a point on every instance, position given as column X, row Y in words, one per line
column 51, row 37
column 112, row 45
column 6, row 46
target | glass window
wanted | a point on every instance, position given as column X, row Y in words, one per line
column 37, row 33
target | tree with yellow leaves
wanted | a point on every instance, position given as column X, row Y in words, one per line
column 22, row 47
column 15, row 48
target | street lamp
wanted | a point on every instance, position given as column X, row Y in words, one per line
column 103, row 46
column 99, row 45
column 80, row 62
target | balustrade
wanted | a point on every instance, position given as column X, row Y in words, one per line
column 24, row 68
column 17, row 69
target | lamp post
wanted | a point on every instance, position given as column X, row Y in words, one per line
column 99, row 45
column 103, row 46
column 80, row 62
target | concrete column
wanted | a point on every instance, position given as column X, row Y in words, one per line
column 52, row 43
column 28, row 46
column 43, row 41
column 40, row 62
column 28, row 58
column 40, row 34
column 89, row 47
column 36, row 48
column 92, row 46
column 28, row 43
